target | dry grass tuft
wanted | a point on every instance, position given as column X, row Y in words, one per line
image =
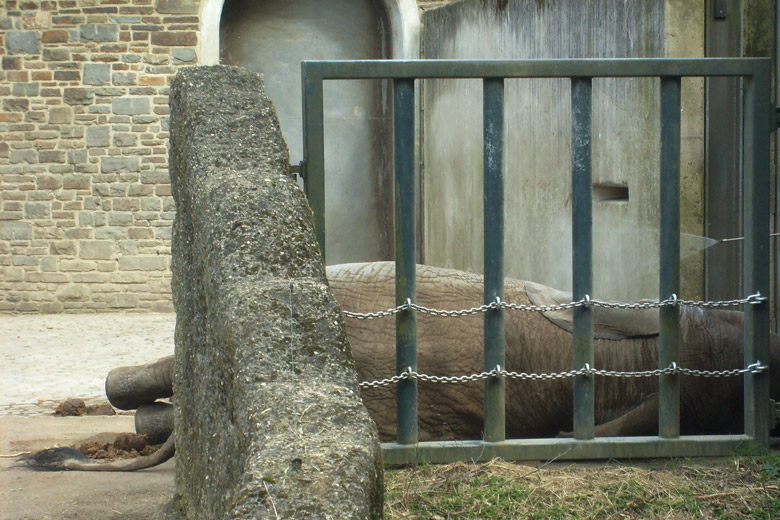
column 734, row 488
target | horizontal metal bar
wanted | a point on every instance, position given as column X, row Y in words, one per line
column 602, row 68
column 564, row 449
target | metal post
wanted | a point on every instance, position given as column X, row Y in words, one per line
column 405, row 256
column 493, row 209
column 669, row 339
column 582, row 245
column 776, row 241
column 756, row 250
column 314, row 150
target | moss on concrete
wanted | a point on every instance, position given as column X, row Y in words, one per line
column 269, row 421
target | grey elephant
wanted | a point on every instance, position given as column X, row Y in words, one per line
column 626, row 340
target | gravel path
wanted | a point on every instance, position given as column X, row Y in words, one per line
column 45, row 359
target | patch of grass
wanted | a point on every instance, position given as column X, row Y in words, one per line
column 741, row 487
column 771, row 468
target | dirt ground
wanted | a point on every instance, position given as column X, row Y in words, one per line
column 45, row 360
column 70, row 495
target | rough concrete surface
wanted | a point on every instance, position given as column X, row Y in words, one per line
column 264, row 381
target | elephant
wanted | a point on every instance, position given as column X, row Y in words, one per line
column 624, row 340
column 539, row 343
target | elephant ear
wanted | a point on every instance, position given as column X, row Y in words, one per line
column 615, row 324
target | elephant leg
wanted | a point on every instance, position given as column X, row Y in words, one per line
column 641, row 420
column 127, row 388
column 154, row 420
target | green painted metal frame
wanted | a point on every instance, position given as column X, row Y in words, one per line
column 756, row 74
column 669, row 317
column 493, row 204
column 405, row 256
column 582, row 252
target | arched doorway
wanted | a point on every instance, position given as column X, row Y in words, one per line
column 272, row 37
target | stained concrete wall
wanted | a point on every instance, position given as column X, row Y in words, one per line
column 684, row 37
column 537, row 129
column 272, row 37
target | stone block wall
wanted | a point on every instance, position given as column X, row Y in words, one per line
column 85, row 205
column 85, row 223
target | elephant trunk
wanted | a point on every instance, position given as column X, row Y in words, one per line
column 127, row 388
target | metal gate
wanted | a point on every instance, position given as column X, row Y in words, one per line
column 669, row 443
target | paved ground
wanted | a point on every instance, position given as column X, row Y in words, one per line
column 45, row 359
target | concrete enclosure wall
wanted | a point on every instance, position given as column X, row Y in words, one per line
column 537, row 153
column 269, row 421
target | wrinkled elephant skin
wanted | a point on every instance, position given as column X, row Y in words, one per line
column 710, row 340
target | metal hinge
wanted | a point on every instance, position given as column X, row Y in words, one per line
column 774, row 413
column 719, row 9
column 777, row 117
column 299, row 169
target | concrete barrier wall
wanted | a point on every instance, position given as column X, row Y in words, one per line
column 269, row 419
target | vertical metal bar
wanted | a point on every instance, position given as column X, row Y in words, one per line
column 314, row 150
column 756, row 250
column 493, row 209
column 405, row 256
column 669, row 339
column 776, row 242
column 582, row 257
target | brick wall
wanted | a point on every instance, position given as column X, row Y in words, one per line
column 85, row 223
column 86, row 211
